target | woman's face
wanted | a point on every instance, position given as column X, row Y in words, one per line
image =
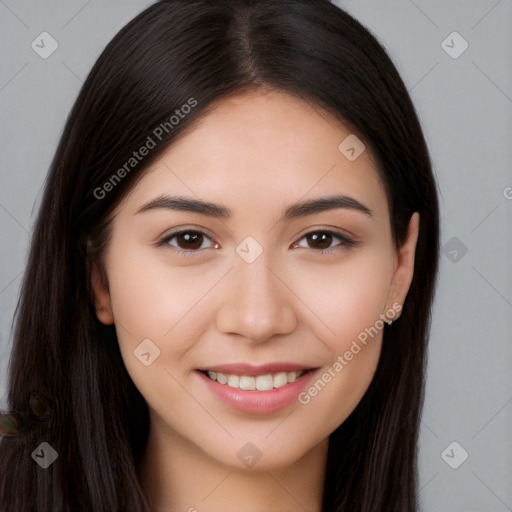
column 256, row 280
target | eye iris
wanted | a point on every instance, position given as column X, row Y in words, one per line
column 191, row 240
column 325, row 239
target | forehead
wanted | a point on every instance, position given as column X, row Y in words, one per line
column 262, row 150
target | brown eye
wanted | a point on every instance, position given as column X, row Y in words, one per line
column 187, row 241
column 322, row 241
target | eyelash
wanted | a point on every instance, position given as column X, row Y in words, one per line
column 346, row 241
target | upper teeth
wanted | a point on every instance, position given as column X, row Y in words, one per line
column 260, row 382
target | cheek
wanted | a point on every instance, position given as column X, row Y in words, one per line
column 153, row 300
column 349, row 300
column 346, row 298
column 333, row 396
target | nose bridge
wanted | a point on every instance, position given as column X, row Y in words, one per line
column 256, row 304
column 257, row 281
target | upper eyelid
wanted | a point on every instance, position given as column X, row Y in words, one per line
column 179, row 229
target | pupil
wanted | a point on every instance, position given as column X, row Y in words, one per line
column 191, row 240
column 324, row 239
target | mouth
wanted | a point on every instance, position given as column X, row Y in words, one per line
column 257, row 390
column 261, row 382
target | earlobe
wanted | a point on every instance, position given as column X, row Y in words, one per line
column 101, row 295
column 404, row 267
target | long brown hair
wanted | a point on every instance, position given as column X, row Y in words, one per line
column 65, row 359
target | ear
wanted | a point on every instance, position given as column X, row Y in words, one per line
column 102, row 303
column 404, row 264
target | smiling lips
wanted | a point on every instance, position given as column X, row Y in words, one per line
column 265, row 382
column 247, row 377
column 263, row 389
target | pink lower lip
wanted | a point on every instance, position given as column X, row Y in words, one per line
column 258, row 402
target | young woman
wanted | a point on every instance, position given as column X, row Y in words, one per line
column 228, row 296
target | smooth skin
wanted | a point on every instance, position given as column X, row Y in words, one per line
column 255, row 153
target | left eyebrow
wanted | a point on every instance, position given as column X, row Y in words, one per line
column 188, row 205
column 294, row 211
column 323, row 204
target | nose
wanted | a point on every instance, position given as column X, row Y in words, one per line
column 256, row 302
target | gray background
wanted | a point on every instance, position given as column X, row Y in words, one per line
column 465, row 106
